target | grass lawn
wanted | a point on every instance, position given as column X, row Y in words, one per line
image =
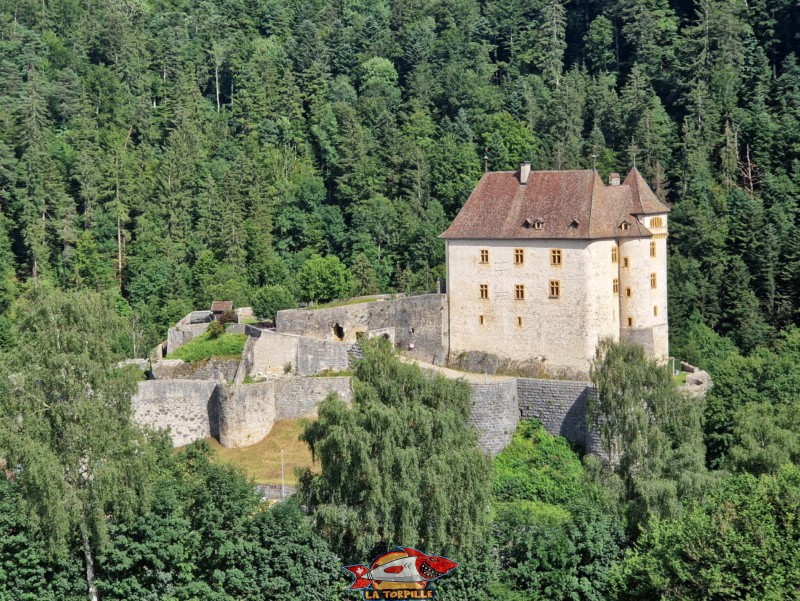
column 680, row 379
column 203, row 347
column 262, row 461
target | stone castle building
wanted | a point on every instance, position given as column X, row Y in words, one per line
column 541, row 265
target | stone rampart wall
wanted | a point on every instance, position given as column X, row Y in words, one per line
column 315, row 356
column 559, row 405
column 299, row 397
column 495, row 414
column 187, row 407
column 246, row 413
column 210, row 369
column 419, row 322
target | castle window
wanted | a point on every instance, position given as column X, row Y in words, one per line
column 519, row 321
column 484, row 288
column 626, row 262
column 657, row 222
column 628, row 292
column 655, row 311
column 614, row 254
column 653, row 280
column 480, row 319
column 630, row 322
column 616, row 285
column 555, row 289
column 555, row 257
column 652, row 249
column 519, row 256
column 519, row 292
column 484, row 256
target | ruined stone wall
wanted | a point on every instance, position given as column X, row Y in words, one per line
column 315, row 356
column 559, row 405
column 299, row 397
column 270, row 352
column 187, row 407
column 419, row 322
column 209, row 369
column 495, row 414
column 187, row 329
column 246, row 413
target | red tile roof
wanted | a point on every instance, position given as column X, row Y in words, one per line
column 570, row 204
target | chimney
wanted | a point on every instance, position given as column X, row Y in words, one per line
column 613, row 179
column 524, row 172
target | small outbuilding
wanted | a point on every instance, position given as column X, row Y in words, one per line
column 219, row 308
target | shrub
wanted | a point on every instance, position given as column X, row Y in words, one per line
column 229, row 317
column 215, row 330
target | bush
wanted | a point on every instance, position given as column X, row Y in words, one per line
column 215, row 330
column 537, row 466
column 271, row 299
column 229, row 317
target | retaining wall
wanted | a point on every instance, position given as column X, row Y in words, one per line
column 209, row 369
column 559, row 405
column 495, row 414
column 246, row 413
column 188, row 408
column 299, row 397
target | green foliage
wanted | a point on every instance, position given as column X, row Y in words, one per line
column 557, row 534
column 537, row 465
column 205, row 347
column 79, row 461
column 322, row 280
column 404, row 433
column 651, row 432
column 765, row 386
column 268, row 300
column 740, row 543
column 215, row 330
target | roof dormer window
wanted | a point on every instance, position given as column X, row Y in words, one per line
column 575, row 223
column 625, row 226
column 536, row 224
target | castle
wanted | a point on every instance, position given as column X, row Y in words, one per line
column 541, row 265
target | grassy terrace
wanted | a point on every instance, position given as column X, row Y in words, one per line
column 344, row 303
column 262, row 461
column 204, row 347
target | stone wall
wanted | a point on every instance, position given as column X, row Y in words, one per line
column 187, row 329
column 271, row 353
column 246, row 413
column 187, row 407
column 315, row 356
column 559, row 405
column 299, row 397
column 419, row 322
column 495, row 414
column 209, row 369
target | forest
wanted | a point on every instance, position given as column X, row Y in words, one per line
column 157, row 154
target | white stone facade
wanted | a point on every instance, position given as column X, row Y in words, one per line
column 561, row 331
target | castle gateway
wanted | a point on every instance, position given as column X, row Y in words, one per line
column 543, row 264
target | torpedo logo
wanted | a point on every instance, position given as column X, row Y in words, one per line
column 400, row 574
